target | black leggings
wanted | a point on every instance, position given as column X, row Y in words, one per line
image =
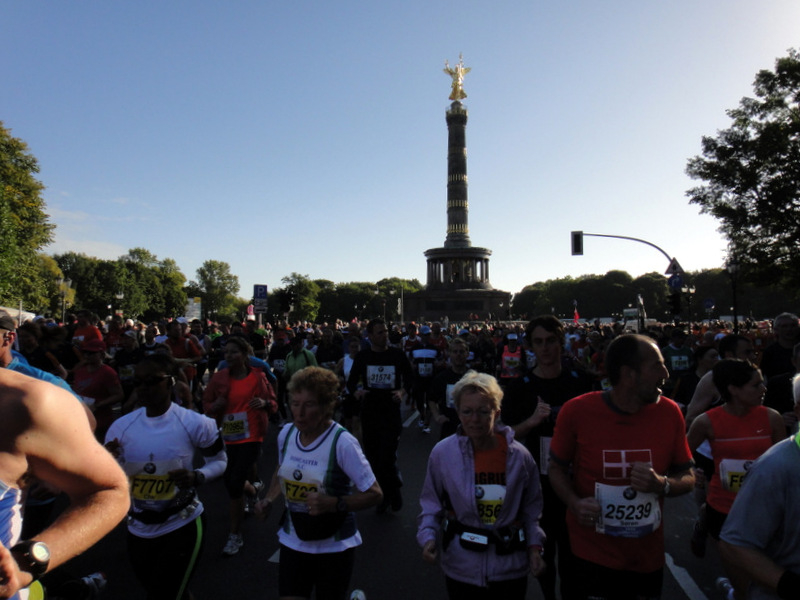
column 510, row 589
column 164, row 564
column 241, row 458
column 328, row 574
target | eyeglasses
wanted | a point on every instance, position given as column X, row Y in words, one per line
column 481, row 413
column 150, row 381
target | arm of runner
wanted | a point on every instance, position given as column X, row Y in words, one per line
column 703, row 397
column 322, row 503
column 777, row 424
column 263, row 507
column 541, row 412
column 61, row 450
column 586, row 509
column 215, row 460
column 753, row 562
column 645, row 479
column 698, row 432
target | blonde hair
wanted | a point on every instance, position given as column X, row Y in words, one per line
column 484, row 384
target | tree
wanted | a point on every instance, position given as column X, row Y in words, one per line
column 172, row 282
column 306, row 292
column 218, row 288
column 752, row 177
column 24, row 226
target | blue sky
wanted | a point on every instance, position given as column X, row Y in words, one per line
column 310, row 137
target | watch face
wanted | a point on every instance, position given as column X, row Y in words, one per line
column 40, row 552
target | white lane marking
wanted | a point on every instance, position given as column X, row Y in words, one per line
column 275, row 558
column 685, row 580
column 412, row 419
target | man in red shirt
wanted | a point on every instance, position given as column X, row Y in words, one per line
column 626, row 449
column 184, row 350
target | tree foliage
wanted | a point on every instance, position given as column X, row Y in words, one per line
column 138, row 284
column 24, row 226
column 218, row 288
column 752, row 177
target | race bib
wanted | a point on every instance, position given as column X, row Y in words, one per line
column 381, row 377
column 296, row 493
column 626, row 512
column 150, row 485
column 490, row 501
column 126, row 373
column 425, row 369
column 680, row 363
column 448, row 396
column 235, row 427
column 732, row 473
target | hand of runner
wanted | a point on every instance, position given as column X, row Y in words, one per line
column 645, row 479
column 541, row 413
column 257, row 403
column 114, row 447
column 320, row 503
column 429, row 553
column 183, row 478
column 587, row 510
column 11, row 578
column 262, row 508
column 537, row 563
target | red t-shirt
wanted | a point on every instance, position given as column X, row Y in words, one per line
column 601, row 443
column 490, row 480
column 738, row 442
column 242, row 423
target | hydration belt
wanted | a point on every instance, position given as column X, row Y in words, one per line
column 154, row 517
column 506, row 540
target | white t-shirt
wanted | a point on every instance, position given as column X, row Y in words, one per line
column 150, row 448
column 307, row 468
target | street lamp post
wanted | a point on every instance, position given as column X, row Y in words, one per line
column 64, row 285
column 733, row 269
column 689, row 291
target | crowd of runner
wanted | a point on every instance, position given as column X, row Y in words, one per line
column 583, row 401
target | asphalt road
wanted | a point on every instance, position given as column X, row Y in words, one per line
column 388, row 565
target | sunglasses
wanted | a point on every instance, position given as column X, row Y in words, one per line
column 149, row 381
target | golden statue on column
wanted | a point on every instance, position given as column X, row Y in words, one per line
column 457, row 73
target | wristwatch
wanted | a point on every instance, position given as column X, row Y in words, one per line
column 666, row 486
column 341, row 505
column 32, row 557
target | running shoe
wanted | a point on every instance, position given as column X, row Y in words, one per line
column 426, row 429
column 724, row 586
column 358, row 595
column 233, row 545
column 421, row 423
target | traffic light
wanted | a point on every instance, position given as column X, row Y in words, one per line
column 284, row 301
column 675, row 303
column 577, row 243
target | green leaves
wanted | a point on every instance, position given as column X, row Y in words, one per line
column 751, row 175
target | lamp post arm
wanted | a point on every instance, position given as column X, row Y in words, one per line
column 624, row 237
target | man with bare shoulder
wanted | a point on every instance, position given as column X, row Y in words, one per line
column 44, row 434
